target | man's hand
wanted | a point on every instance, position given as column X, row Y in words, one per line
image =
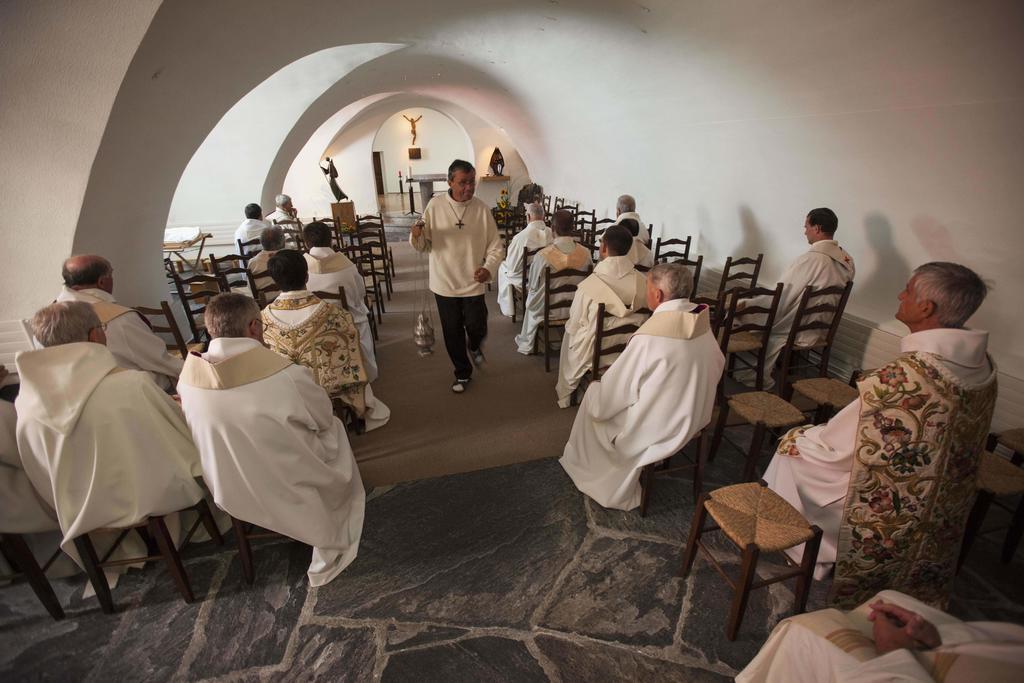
column 897, row 628
column 482, row 275
column 417, row 229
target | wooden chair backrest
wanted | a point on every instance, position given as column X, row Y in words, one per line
column 665, row 250
column 733, row 278
column 819, row 309
column 170, row 326
column 743, row 316
column 249, row 253
column 558, row 283
column 335, row 296
column 528, row 255
column 225, row 266
column 586, row 221
column 194, row 292
column 260, row 293
column 606, row 327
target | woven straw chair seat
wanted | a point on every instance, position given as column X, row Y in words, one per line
column 999, row 475
column 1013, row 439
column 761, row 406
column 825, row 390
column 743, row 341
column 751, row 513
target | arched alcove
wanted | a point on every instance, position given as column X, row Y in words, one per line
column 439, row 139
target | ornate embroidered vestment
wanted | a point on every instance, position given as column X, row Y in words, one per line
column 919, row 441
column 327, row 343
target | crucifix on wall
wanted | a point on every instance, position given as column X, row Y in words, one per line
column 412, row 123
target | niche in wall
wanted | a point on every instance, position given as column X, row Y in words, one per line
column 439, row 141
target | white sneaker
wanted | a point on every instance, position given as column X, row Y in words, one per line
column 460, row 385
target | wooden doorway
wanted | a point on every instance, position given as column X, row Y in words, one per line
column 378, row 172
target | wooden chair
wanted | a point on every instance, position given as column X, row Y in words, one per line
column 586, row 222
column 597, row 230
column 547, row 204
column 366, row 264
column 261, row 292
column 292, row 233
column 226, row 267
column 152, row 530
column 528, row 255
column 603, row 348
column 244, row 533
column 170, row 326
column 17, row 553
column 371, row 237
column 333, row 296
column 249, row 253
column 999, row 477
column 756, row 520
column 746, row 328
column 735, row 275
column 557, row 302
column 649, row 474
column 771, row 410
column 194, row 292
column 820, row 311
column 376, row 221
column 669, row 250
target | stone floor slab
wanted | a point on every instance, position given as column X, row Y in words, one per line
column 250, row 625
column 405, row 636
column 332, row 653
column 668, row 516
column 622, row 590
column 487, row 658
column 453, row 549
column 588, row 661
column 704, row 623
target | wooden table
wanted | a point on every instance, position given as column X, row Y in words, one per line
column 177, row 246
column 426, row 186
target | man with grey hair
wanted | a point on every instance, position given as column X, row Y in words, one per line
column 90, row 278
column 812, row 470
column 653, row 399
column 625, row 209
column 103, row 446
column 536, row 235
column 273, row 453
column 284, row 211
column 272, row 241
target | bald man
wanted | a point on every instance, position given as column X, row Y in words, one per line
column 90, row 278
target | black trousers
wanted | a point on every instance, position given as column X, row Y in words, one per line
column 462, row 316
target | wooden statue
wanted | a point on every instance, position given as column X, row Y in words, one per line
column 497, row 162
column 332, row 174
column 412, row 122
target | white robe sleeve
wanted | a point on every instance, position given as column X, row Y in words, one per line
column 619, row 387
column 143, row 349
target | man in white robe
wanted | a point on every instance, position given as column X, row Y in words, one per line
column 271, row 241
column 639, row 254
column 825, row 264
column 937, row 301
column 283, row 210
column 251, row 227
column 510, row 273
column 328, row 270
column 625, row 209
column 459, row 233
column 103, row 446
column 292, row 310
column 90, row 279
column 891, row 637
column 272, row 451
column 614, row 283
column 652, row 400
column 565, row 253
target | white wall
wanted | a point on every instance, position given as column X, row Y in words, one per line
column 440, row 139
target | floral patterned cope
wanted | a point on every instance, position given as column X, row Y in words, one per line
column 327, row 343
column 919, row 441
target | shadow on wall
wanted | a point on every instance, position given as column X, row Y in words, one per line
column 934, row 238
column 891, row 271
column 752, row 243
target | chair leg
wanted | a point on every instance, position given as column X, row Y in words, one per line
column 87, row 554
column 742, row 591
column 716, row 439
column 20, row 555
column 696, row 530
column 244, row 550
column 158, row 529
column 646, row 485
column 209, row 523
column 547, row 349
column 807, row 564
column 1013, row 536
column 974, row 520
column 754, row 454
column 822, row 413
column 698, row 468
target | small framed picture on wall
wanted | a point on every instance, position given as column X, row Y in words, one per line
column 414, row 153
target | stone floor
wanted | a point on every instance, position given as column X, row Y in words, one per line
column 506, row 574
